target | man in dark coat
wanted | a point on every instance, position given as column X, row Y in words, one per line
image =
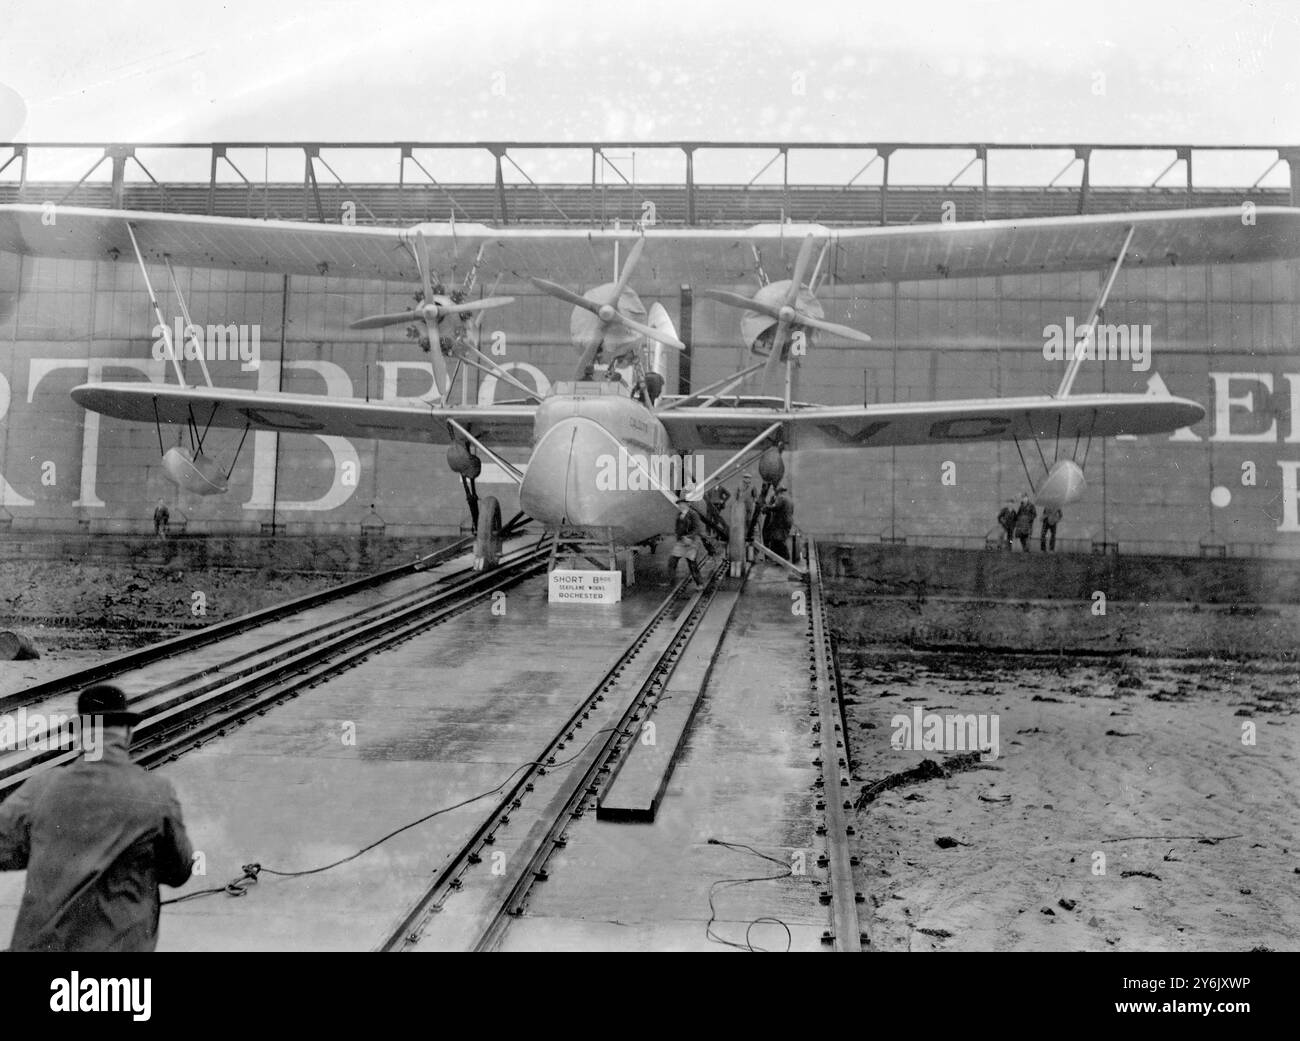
column 1051, row 518
column 716, row 501
column 780, row 522
column 161, row 515
column 1025, row 515
column 97, row 837
column 687, row 546
column 1007, row 521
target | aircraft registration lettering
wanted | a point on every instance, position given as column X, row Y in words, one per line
column 860, row 438
column 721, row 435
column 960, row 429
column 282, row 418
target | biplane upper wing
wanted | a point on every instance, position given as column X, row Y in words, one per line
column 277, row 247
column 674, row 256
column 933, row 422
column 411, row 420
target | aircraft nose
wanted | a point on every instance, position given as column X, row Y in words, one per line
column 562, row 484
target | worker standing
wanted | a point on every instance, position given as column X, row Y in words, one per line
column 749, row 496
column 161, row 515
column 716, row 500
column 97, row 838
column 1025, row 515
column 687, row 546
column 780, row 522
column 1007, row 522
column 1051, row 518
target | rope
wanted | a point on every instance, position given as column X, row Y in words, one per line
column 1022, row 462
column 238, row 886
column 730, row 883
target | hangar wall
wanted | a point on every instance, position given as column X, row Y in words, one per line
column 1224, row 336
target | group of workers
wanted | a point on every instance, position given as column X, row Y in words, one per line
column 773, row 508
column 1017, row 523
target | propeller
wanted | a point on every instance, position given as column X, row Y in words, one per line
column 791, row 303
column 607, row 304
column 432, row 309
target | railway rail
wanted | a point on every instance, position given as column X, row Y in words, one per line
column 483, row 885
column 199, row 705
column 474, row 895
column 846, row 932
column 483, row 881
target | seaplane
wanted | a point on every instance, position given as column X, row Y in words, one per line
column 616, row 403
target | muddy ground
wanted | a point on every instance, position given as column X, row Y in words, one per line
column 79, row 613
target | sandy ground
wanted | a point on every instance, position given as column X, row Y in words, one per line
column 1123, row 812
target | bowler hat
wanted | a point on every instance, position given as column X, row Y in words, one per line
column 108, row 703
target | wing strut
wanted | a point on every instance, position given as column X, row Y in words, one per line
column 1088, row 339
column 697, row 492
column 190, row 327
column 720, row 386
column 493, row 369
column 153, row 299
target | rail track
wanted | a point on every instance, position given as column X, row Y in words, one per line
column 485, row 883
column 846, row 932
column 189, row 709
column 189, row 641
column 479, row 888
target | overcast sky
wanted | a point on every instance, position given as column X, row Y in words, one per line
column 1102, row 71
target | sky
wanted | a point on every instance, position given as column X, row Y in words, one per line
column 1187, row 71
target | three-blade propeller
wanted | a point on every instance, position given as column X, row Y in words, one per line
column 790, row 306
column 432, row 309
column 604, row 303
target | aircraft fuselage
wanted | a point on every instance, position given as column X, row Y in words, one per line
column 594, row 452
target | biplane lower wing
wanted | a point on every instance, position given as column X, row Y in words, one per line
column 690, row 429
column 933, row 422
column 411, row 420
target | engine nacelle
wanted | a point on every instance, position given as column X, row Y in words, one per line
column 616, row 341
column 754, row 324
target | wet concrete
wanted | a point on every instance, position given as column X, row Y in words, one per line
column 745, row 777
column 423, row 725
